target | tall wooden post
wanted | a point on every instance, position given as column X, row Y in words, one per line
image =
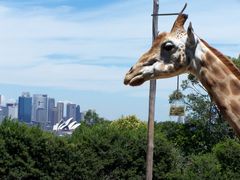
column 152, row 95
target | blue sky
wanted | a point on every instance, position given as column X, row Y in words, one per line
column 79, row 50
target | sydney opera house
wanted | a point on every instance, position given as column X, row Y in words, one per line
column 65, row 126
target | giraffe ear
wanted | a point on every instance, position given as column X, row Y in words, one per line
column 179, row 23
column 190, row 36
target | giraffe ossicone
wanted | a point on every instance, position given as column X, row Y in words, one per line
column 182, row 51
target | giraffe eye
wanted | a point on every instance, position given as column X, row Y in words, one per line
column 168, row 46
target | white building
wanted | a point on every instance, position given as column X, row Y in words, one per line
column 66, row 127
column 12, row 109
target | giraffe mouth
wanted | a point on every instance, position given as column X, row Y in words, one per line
column 135, row 81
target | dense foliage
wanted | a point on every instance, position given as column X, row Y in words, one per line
column 101, row 151
column 115, row 150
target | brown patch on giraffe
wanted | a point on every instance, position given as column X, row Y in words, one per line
column 218, row 72
column 225, row 70
column 154, row 49
column 157, row 42
column 235, row 107
column 211, row 80
column 211, row 62
column 224, row 88
column 220, row 104
column 203, row 64
column 235, row 87
column 206, row 61
column 205, row 80
column 231, row 66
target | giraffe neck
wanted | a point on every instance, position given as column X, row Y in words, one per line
column 221, row 79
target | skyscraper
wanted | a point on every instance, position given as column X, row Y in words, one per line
column 54, row 116
column 71, row 111
column 60, row 111
column 3, row 113
column 12, row 110
column 25, row 107
column 78, row 114
column 39, row 109
column 51, row 106
column 41, row 115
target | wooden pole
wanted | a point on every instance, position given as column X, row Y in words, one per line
column 152, row 95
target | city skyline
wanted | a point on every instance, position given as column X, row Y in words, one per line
column 80, row 50
column 4, row 101
column 39, row 109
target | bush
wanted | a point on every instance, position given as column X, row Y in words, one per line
column 202, row 167
column 118, row 150
column 114, row 150
column 228, row 154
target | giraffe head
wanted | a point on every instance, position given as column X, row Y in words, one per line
column 167, row 57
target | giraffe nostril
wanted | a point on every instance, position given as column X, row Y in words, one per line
column 131, row 70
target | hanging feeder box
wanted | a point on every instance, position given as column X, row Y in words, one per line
column 177, row 106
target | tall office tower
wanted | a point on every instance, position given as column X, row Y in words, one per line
column 3, row 113
column 78, row 114
column 51, row 105
column 12, row 110
column 71, row 111
column 39, row 109
column 60, row 111
column 54, row 116
column 41, row 116
column 0, row 99
column 25, row 107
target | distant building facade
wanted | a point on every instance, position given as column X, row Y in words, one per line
column 25, row 108
column 12, row 109
column 60, row 111
column 51, row 106
column 39, row 109
column 3, row 113
column 71, row 111
column 78, row 113
column 54, row 116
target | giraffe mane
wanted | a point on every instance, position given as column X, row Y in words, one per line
column 231, row 66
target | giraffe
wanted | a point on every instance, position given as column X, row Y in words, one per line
column 182, row 51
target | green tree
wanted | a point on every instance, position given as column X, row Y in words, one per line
column 228, row 154
column 91, row 117
column 30, row 153
column 202, row 167
column 128, row 122
column 117, row 150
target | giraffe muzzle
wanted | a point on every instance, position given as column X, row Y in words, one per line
column 134, row 80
